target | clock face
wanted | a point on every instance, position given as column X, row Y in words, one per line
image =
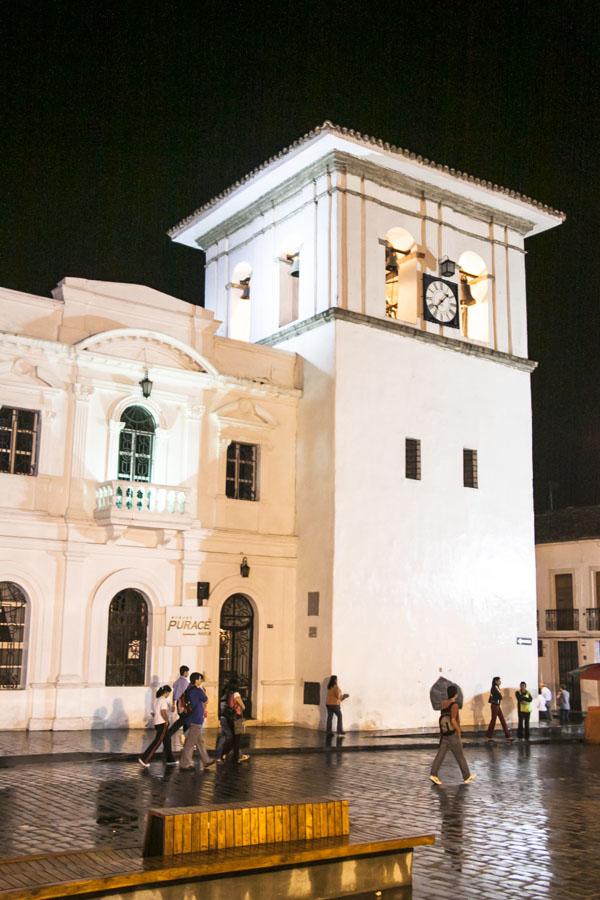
column 440, row 301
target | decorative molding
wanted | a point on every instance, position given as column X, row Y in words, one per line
column 243, row 412
column 335, row 313
column 95, row 341
column 39, row 375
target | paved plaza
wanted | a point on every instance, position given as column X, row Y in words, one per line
column 528, row 827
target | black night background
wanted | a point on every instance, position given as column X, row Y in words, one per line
column 119, row 119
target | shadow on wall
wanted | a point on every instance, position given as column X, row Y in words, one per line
column 117, row 718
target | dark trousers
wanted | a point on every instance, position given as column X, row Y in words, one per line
column 497, row 714
column 177, row 724
column 162, row 737
column 331, row 712
column 228, row 741
column 564, row 716
column 523, row 731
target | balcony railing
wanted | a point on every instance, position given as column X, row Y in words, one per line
column 562, row 620
column 593, row 619
column 141, row 503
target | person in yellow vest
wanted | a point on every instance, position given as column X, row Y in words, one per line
column 524, row 702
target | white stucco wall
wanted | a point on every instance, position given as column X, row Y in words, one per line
column 430, row 577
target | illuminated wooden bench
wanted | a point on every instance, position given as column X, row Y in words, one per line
column 256, row 852
column 282, row 849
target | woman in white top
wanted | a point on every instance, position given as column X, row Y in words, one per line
column 160, row 716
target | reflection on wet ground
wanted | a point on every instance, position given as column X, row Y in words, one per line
column 528, row 827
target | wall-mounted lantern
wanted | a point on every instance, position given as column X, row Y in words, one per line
column 244, row 567
column 146, row 386
column 447, row 267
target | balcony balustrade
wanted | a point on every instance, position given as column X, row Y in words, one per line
column 562, row 620
column 142, row 504
column 593, row 619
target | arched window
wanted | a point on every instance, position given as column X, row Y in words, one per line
column 127, row 639
column 400, row 276
column 239, row 306
column 136, row 444
column 473, row 295
column 13, row 635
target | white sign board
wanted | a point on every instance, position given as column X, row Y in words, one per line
column 187, row 626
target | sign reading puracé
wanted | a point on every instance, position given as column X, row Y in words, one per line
column 187, row 626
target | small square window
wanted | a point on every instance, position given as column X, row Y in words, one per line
column 312, row 693
column 470, row 473
column 412, row 459
column 312, row 631
column 313, row 603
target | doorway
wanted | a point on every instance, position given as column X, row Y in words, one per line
column 568, row 659
column 236, row 648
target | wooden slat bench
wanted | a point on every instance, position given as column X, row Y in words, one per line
column 320, row 865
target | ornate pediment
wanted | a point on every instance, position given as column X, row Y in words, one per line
column 27, row 372
column 246, row 413
column 146, row 347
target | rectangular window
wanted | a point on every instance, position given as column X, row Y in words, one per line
column 412, row 459
column 540, row 648
column 19, row 439
column 313, row 603
column 563, row 589
column 312, row 693
column 597, row 576
column 242, row 471
column 470, row 474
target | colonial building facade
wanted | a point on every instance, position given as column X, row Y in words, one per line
column 118, row 508
column 334, row 456
column 568, row 592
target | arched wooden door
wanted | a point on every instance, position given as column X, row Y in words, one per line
column 236, row 648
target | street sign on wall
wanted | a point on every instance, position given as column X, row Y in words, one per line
column 187, row 626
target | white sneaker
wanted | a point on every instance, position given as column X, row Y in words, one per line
column 144, row 764
column 470, row 779
column 243, row 758
column 435, row 779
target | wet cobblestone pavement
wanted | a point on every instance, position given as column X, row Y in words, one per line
column 529, row 827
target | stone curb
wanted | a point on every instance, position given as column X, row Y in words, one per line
column 8, row 762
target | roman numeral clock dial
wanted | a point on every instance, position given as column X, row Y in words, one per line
column 440, row 301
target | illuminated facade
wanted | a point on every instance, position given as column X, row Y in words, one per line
column 351, row 414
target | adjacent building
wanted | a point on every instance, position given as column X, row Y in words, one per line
column 568, row 592
column 333, row 457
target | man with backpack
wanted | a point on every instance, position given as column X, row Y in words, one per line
column 196, row 701
column 450, row 738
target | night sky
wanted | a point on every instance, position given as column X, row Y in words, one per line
column 119, row 119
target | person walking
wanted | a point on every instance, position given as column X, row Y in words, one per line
column 195, row 723
column 544, row 701
column 231, row 719
column 563, row 699
column 160, row 718
column 180, row 686
column 450, row 738
column 524, row 701
column 495, row 700
column 333, row 703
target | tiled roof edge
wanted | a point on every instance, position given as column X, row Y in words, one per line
column 375, row 142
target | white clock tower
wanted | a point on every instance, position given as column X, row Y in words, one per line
column 400, row 284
